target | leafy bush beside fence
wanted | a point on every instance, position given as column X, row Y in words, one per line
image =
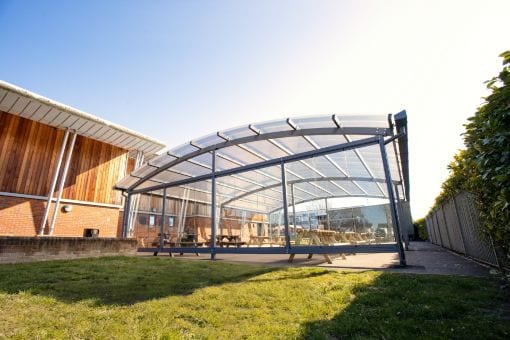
column 483, row 168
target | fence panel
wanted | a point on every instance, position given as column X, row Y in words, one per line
column 452, row 223
column 436, row 228
column 429, row 229
column 432, row 233
column 478, row 245
column 443, row 230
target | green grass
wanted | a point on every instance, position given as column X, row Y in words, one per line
column 130, row 297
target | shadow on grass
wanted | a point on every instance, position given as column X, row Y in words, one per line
column 419, row 307
column 120, row 280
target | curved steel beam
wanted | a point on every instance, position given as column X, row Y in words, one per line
column 259, row 165
column 265, row 136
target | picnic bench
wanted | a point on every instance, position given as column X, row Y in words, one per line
column 231, row 240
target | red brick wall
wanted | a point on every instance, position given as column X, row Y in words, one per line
column 23, row 216
column 26, row 249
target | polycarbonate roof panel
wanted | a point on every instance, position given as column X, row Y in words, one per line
column 259, row 148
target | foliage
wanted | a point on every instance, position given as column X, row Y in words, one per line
column 420, row 229
column 487, row 140
column 164, row 298
column 483, row 168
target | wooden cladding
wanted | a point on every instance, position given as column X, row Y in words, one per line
column 29, row 154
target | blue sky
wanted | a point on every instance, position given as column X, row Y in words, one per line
column 176, row 70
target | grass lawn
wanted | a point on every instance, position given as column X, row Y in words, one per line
column 156, row 297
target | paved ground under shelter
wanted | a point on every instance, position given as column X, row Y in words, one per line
column 422, row 258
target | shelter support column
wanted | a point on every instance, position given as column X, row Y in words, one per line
column 293, row 206
column 54, row 182
column 393, row 208
column 327, row 215
column 62, row 182
column 133, row 206
column 127, row 216
column 285, row 206
column 213, row 206
column 162, row 225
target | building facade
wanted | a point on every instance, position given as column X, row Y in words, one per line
column 51, row 152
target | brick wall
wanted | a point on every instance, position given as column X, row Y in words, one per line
column 27, row 249
column 23, row 216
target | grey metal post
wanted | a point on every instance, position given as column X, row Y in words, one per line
column 293, row 206
column 127, row 215
column 162, row 226
column 213, row 206
column 54, row 182
column 133, row 206
column 285, row 208
column 62, row 182
column 327, row 215
column 393, row 208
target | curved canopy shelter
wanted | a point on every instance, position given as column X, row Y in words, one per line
column 255, row 172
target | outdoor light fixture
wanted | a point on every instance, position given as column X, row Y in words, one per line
column 67, row 208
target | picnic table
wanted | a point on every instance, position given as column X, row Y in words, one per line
column 258, row 240
column 231, row 240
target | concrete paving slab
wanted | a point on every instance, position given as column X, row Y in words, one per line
column 422, row 258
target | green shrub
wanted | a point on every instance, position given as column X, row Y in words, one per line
column 483, row 168
column 420, row 229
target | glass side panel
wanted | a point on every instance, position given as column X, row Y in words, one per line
column 243, row 215
column 393, row 162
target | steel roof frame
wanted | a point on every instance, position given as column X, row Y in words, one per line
column 264, row 136
column 295, row 157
